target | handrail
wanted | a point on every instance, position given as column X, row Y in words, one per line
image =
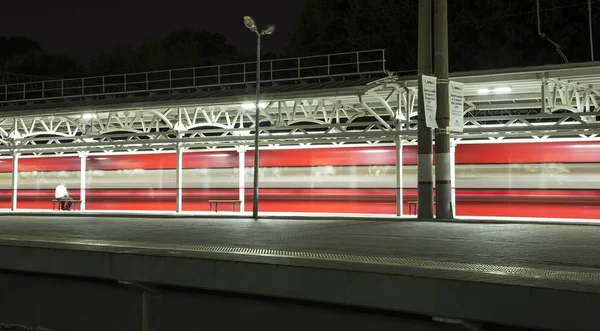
column 286, row 69
column 7, row 77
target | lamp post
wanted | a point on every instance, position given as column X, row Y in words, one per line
column 251, row 25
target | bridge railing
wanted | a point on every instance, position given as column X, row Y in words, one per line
column 14, row 78
column 299, row 68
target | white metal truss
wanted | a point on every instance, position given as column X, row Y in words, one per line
column 541, row 104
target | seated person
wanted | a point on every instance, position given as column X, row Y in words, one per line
column 62, row 195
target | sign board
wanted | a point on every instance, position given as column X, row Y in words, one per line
column 457, row 101
column 429, row 100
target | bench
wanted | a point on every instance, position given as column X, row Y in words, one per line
column 412, row 207
column 56, row 204
column 216, row 203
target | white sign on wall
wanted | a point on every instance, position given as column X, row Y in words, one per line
column 429, row 100
column 457, row 101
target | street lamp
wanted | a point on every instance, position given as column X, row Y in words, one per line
column 251, row 25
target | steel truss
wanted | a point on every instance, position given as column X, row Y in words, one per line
column 544, row 104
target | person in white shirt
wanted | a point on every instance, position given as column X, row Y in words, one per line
column 62, row 195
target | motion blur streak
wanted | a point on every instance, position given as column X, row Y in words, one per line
column 531, row 180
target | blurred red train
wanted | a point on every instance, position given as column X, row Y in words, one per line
column 550, row 179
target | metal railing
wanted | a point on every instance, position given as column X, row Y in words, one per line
column 15, row 78
column 300, row 68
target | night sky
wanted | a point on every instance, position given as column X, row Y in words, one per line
column 79, row 28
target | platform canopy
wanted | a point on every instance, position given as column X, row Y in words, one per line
column 333, row 99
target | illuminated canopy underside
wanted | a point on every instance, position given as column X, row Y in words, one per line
column 341, row 99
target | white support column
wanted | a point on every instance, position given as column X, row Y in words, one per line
column 82, row 178
column 242, row 175
column 179, row 180
column 453, row 176
column 15, row 176
column 544, row 96
column 399, row 179
column 179, row 128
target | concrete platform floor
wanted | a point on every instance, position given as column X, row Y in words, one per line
column 501, row 242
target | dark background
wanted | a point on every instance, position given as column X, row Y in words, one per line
column 74, row 38
column 79, row 28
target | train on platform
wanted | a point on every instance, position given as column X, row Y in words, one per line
column 549, row 179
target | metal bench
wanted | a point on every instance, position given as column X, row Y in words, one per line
column 56, row 204
column 216, row 203
column 412, row 207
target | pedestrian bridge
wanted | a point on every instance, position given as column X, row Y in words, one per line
column 329, row 108
column 347, row 98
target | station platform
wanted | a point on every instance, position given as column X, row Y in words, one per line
column 521, row 274
column 302, row 215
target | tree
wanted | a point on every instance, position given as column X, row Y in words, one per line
column 188, row 48
column 501, row 34
column 39, row 63
column 153, row 55
column 23, row 55
column 483, row 34
column 182, row 48
column 384, row 24
column 353, row 25
column 119, row 59
column 11, row 46
column 320, row 28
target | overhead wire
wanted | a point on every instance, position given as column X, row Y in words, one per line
column 544, row 36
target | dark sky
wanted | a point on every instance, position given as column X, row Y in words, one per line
column 79, row 28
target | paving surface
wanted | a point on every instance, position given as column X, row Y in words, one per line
column 527, row 245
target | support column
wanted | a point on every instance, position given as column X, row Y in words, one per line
column 442, row 134
column 399, row 179
column 179, row 179
column 424, row 134
column 242, row 177
column 256, row 133
column 82, row 178
column 15, row 176
column 453, row 175
column 544, row 96
column 180, row 128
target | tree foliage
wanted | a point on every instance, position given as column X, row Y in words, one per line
column 26, row 56
column 11, row 46
column 483, row 34
column 180, row 49
column 501, row 34
column 352, row 25
column 37, row 62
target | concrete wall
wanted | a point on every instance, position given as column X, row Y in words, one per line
column 65, row 304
